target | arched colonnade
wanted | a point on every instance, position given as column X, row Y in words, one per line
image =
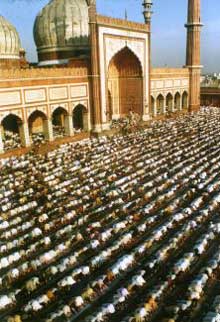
column 168, row 103
column 61, row 123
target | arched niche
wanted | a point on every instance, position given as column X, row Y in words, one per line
column 125, row 84
column 80, row 117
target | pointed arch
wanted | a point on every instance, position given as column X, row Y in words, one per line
column 119, row 61
column 59, row 110
column 117, row 49
column 177, row 101
column 80, row 117
column 36, row 121
column 11, row 131
column 125, row 83
column 37, row 113
column 59, row 121
column 11, row 122
column 185, row 100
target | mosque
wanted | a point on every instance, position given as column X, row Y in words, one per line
column 91, row 70
column 122, row 228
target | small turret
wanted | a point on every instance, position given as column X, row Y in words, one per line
column 147, row 4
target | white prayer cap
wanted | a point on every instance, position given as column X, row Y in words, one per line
column 79, row 301
column 4, row 262
column 85, row 270
column 4, row 301
column 15, row 272
column 111, row 308
column 36, row 305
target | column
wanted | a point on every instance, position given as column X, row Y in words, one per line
column 48, row 130
column 146, row 113
column 181, row 103
column 24, row 134
column 164, row 110
column 158, row 109
column 1, row 143
column 187, row 102
column 2, row 132
column 68, row 125
column 154, row 108
column 86, row 125
column 173, row 105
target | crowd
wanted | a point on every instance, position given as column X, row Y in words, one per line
column 37, row 138
column 128, row 124
column 11, row 140
column 115, row 229
column 58, row 131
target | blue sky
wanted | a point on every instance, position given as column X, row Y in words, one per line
column 168, row 32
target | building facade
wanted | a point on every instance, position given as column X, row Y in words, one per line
column 92, row 69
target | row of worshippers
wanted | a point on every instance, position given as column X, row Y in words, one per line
column 178, row 269
column 95, row 201
column 11, row 140
column 214, row 314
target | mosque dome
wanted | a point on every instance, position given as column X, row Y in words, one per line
column 9, row 41
column 61, row 31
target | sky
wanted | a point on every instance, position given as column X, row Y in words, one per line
column 168, row 32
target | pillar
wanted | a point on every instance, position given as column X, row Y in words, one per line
column 172, row 110
column 95, row 69
column 1, row 143
column 146, row 114
column 2, row 132
column 68, row 125
column 164, row 107
column 154, row 107
column 86, row 125
column 181, row 102
column 24, row 134
column 193, row 53
column 48, row 129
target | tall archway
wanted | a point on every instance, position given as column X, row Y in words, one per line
column 59, row 122
column 160, row 104
column 177, row 100
column 11, row 131
column 80, row 118
column 125, row 83
column 185, row 100
column 169, row 102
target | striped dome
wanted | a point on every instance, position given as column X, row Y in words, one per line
column 62, row 26
column 9, row 40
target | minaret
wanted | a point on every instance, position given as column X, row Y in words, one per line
column 147, row 4
column 96, row 99
column 147, row 12
column 193, row 53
